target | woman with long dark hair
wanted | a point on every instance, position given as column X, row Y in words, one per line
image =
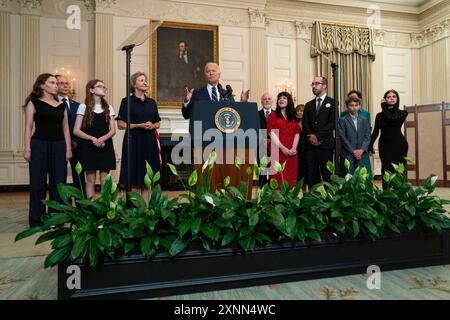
column 95, row 125
column 49, row 148
column 392, row 146
column 284, row 133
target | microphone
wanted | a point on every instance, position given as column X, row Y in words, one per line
column 221, row 91
column 229, row 92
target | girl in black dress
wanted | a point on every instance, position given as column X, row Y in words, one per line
column 144, row 121
column 392, row 146
column 49, row 148
column 95, row 126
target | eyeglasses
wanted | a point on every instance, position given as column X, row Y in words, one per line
column 315, row 83
column 102, row 87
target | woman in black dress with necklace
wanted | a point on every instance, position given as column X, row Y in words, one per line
column 144, row 121
column 392, row 146
column 95, row 125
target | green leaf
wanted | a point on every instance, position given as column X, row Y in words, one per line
column 249, row 170
column 79, row 243
column 57, row 219
column 156, row 177
column 57, row 256
column 264, row 162
column 62, row 241
column 411, row 210
column 211, row 232
column 371, row 227
column 330, row 167
column 355, row 228
column 129, row 246
column 273, row 184
column 78, row 168
column 291, row 221
column 237, row 162
column 177, row 246
column 226, row 182
column 195, row 225
column 105, row 238
column 228, row 237
column 206, row 245
column 411, row 224
column 173, row 169
column 147, row 181
column 27, row 233
column 52, row 235
column 93, row 254
column 146, row 245
column 183, row 228
column 253, row 219
column 212, row 158
column 193, row 178
column 347, row 165
column 277, row 166
column 335, row 213
column 149, row 170
column 246, row 243
column 313, row 235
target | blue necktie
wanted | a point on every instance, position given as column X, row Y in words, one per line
column 214, row 94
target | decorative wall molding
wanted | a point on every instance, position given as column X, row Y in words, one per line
column 104, row 5
column 378, row 36
column 257, row 18
column 437, row 32
column 282, row 29
column 182, row 12
column 5, row 5
column 32, row 7
column 303, row 29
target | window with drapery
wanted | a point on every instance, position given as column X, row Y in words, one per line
column 351, row 48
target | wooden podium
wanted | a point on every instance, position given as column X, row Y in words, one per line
column 231, row 129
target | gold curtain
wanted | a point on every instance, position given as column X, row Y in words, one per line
column 351, row 48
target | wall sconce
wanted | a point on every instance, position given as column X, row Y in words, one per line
column 287, row 86
column 71, row 79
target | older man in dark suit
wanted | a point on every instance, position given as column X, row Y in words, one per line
column 210, row 92
column 318, row 125
column 72, row 107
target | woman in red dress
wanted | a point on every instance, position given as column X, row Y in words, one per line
column 284, row 132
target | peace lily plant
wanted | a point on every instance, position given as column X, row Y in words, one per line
column 94, row 229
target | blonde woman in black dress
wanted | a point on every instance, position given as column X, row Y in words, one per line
column 95, row 125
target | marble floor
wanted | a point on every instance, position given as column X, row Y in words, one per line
column 22, row 275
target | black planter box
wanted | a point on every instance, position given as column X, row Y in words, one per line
column 134, row 277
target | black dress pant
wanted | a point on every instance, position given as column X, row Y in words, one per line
column 73, row 163
column 48, row 158
column 316, row 165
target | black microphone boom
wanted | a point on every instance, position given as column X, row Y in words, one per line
column 221, row 90
column 229, row 92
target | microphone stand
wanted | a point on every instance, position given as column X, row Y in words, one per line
column 337, row 166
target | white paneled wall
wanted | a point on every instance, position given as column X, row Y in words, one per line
column 282, row 62
column 234, row 58
column 397, row 73
column 65, row 48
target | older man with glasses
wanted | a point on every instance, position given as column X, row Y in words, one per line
column 318, row 125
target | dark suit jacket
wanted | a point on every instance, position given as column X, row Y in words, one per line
column 320, row 124
column 200, row 94
column 351, row 137
column 72, row 117
column 262, row 119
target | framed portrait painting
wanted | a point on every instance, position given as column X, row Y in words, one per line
column 179, row 54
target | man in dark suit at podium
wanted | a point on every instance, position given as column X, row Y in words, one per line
column 318, row 125
column 72, row 107
column 210, row 92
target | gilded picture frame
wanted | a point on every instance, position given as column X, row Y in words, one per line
column 179, row 52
